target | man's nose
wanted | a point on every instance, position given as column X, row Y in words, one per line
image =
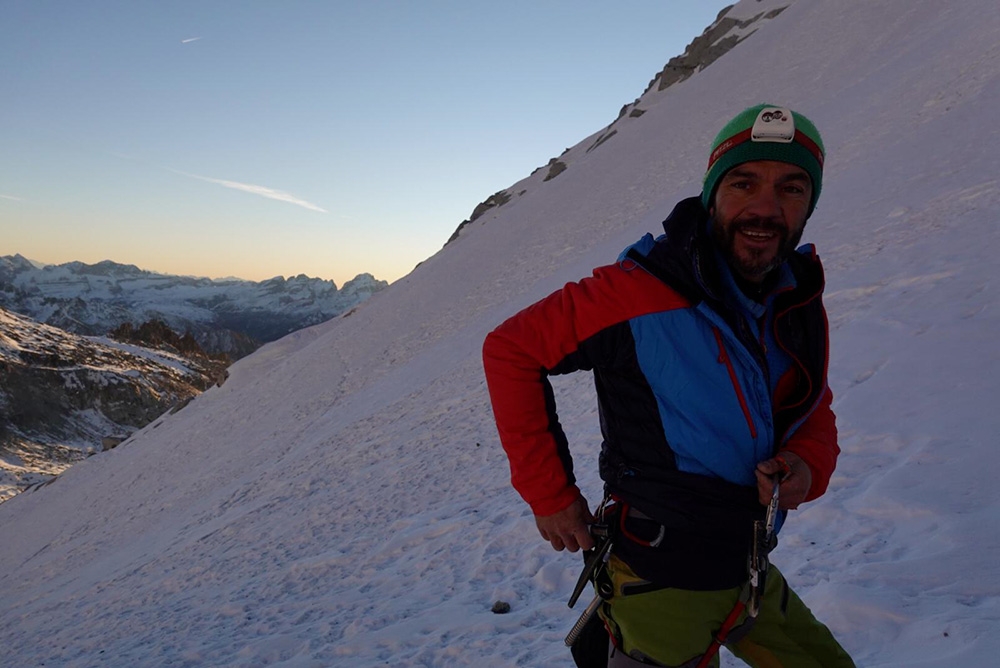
column 764, row 203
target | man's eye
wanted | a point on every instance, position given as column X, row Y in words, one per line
column 794, row 190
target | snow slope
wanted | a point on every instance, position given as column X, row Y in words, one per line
column 343, row 500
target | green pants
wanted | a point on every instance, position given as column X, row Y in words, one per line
column 674, row 627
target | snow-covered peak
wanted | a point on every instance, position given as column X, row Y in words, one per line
column 95, row 298
column 13, row 264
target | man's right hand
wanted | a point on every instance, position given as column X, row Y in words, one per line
column 568, row 529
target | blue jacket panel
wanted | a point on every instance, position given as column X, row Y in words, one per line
column 712, row 396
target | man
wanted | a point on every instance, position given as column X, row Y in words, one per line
column 709, row 350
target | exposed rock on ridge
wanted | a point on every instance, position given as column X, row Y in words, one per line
column 717, row 40
column 495, row 200
column 733, row 24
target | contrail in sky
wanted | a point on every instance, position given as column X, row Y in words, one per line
column 190, row 39
column 263, row 191
column 11, row 197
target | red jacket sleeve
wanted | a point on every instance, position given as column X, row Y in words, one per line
column 815, row 442
column 519, row 354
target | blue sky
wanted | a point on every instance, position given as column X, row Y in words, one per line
column 252, row 139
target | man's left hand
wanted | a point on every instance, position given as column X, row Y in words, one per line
column 795, row 477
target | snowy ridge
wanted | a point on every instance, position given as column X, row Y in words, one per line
column 734, row 24
column 343, row 500
column 746, row 11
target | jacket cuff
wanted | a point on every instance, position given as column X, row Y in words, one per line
column 819, row 470
column 552, row 505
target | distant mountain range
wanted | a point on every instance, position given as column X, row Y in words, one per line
column 225, row 315
column 67, row 390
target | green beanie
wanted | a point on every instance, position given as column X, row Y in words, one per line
column 766, row 132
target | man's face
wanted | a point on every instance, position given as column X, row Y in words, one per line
column 759, row 212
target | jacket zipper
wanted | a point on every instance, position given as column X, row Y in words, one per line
column 724, row 359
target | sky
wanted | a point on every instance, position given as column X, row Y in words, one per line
column 343, row 499
column 256, row 139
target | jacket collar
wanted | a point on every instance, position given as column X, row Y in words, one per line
column 686, row 259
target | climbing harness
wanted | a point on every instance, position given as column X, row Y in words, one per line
column 758, row 564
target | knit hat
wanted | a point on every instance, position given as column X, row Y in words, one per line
column 766, row 132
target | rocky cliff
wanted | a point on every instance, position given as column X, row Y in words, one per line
column 65, row 396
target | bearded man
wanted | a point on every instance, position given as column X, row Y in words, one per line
column 709, row 349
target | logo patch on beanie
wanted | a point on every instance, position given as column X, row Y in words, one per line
column 774, row 124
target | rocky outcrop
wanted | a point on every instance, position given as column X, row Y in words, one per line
column 605, row 136
column 62, row 395
column 717, row 40
column 556, row 167
column 495, row 200
column 156, row 334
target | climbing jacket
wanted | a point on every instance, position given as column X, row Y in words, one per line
column 688, row 405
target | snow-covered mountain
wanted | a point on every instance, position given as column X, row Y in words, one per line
column 734, row 24
column 343, row 499
column 229, row 315
column 64, row 397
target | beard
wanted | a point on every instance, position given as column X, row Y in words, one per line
column 753, row 264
